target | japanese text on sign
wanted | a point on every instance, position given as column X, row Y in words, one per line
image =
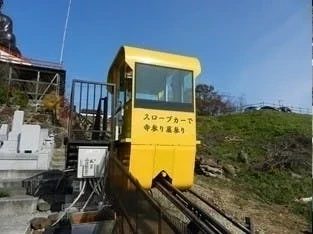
column 166, row 129
column 168, row 119
column 172, row 124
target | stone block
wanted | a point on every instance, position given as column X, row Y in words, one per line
column 43, row 161
column 30, row 136
column 14, row 136
column 43, row 135
column 18, row 121
column 42, row 205
column 4, row 130
column 9, row 146
column 21, row 164
column 40, row 223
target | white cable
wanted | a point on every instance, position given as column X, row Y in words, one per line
column 92, row 186
column 97, row 185
column 65, row 30
column 73, row 203
column 86, row 203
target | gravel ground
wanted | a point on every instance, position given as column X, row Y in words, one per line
column 202, row 191
column 172, row 210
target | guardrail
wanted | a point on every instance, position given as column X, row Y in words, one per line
column 295, row 109
column 257, row 106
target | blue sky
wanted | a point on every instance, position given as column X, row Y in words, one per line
column 257, row 48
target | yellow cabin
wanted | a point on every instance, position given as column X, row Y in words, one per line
column 155, row 114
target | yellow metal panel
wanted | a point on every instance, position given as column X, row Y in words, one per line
column 141, row 164
column 183, row 167
column 163, row 160
column 163, row 127
column 133, row 54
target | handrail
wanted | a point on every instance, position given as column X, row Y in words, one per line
column 145, row 194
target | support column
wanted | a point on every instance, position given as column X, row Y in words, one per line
column 9, row 80
column 58, row 85
column 37, row 89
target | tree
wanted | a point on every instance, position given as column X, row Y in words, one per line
column 7, row 93
column 209, row 102
column 205, row 95
column 241, row 102
column 52, row 103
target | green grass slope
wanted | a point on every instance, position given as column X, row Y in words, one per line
column 278, row 146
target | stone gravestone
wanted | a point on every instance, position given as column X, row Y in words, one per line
column 17, row 124
column 4, row 130
column 30, row 136
column 44, row 134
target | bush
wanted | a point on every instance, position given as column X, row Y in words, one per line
column 19, row 98
column 4, row 193
column 3, row 94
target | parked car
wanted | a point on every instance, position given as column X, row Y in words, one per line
column 250, row 108
column 268, row 108
column 285, row 109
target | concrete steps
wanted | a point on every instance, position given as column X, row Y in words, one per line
column 10, row 183
column 58, row 159
column 17, row 205
column 18, row 209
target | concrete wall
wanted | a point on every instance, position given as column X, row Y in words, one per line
column 10, row 164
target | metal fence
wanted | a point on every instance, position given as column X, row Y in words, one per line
column 242, row 108
column 91, row 105
column 295, row 109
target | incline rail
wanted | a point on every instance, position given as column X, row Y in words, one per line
column 230, row 219
column 203, row 221
column 200, row 220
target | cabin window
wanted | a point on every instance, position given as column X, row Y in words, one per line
column 163, row 88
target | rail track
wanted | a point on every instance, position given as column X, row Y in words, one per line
column 200, row 220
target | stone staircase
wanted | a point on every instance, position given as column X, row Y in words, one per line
column 18, row 208
column 58, row 159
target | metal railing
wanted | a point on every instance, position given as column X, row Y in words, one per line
column 90, row 105
column 240, row 109
column 140, row 212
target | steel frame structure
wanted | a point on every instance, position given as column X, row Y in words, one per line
column 36, row 78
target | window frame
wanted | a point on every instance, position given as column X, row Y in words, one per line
column 163, row 105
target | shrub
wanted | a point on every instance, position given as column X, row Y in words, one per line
column 3, row 94
column 4, row 193
column 19, row 98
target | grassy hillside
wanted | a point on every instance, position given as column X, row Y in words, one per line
column 277, row 147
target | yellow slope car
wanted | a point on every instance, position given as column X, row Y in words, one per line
column 155, row 114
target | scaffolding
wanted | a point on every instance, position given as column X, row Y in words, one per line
column 34, row 77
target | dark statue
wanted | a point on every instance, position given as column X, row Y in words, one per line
column 7, row 38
